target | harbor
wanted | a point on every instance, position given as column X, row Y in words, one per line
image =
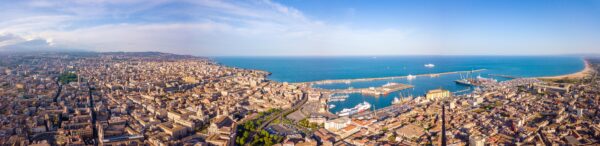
column 376, row 91
column 385, row 112
column 358, row 92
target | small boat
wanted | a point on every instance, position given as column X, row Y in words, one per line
column 429, row 65
column 331, row 106
column 396, row 100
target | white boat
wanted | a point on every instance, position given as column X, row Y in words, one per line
column 411, row 77
column 331, row 106
column 396, row 100
column 429, row 65
column 356, row 109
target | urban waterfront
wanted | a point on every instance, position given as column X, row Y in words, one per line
column 299, row 73
column 150, row 98
column 305, row 69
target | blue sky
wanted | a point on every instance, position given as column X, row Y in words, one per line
column 305, row 27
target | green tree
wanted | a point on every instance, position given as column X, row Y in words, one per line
column 304, row 123
column 246, row 134
column 67, row 77
column 392, row 138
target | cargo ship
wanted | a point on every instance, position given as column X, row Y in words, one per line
column 466, row 80
column 361, row 107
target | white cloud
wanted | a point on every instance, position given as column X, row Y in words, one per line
column 210, row 28
column 12, row 43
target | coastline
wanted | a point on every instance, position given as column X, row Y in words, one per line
column 582, row 73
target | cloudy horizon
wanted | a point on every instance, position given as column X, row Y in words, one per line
column 303, row 28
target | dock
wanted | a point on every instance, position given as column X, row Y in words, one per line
column 384, row 112
column 372, row 90
column 348, row 81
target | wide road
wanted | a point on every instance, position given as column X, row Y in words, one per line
column 58, row 90
column 91, row 107
column 271, row 118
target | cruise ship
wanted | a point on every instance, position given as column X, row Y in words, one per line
column 356, row 109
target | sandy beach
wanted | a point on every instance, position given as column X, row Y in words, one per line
column 584, row 72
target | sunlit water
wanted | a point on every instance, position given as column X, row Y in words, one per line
column 303, row 69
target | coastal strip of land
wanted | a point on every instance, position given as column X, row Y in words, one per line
column 587, row 70
column 385, row 89
column 348, row 81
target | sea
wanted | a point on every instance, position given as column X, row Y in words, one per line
column 305, row 69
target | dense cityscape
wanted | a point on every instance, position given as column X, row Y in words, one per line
column 151, row 98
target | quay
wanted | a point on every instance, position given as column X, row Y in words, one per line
column 348, row 81
column 385, row 112
column 385, row 89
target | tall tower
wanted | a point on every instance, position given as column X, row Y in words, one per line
column 78, row 80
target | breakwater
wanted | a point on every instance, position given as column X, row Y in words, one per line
column 372, row 90
column 348, row 81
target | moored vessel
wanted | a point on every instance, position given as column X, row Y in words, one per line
column 361, row 107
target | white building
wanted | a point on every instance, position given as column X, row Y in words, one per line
column 476, row 140
column 336, row 124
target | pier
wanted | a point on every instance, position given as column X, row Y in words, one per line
column 385, row 89
column 348, row 81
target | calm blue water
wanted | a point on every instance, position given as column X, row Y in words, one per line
column 302, row 69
